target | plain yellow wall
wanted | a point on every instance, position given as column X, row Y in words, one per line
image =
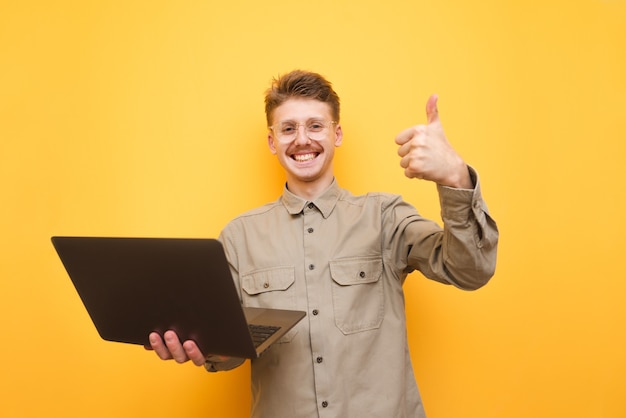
column 145, row 118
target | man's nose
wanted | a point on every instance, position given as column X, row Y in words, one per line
column 302, row 137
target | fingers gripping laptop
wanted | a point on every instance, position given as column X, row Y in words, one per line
column 134, row 286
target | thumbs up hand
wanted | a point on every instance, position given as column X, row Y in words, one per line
column 426, row 153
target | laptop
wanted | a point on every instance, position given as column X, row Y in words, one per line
column 134, row 286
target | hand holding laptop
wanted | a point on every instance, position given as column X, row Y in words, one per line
column 170, row 348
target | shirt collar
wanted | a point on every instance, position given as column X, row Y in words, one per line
column 325, row 202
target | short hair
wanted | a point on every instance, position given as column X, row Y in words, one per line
column 300, row 84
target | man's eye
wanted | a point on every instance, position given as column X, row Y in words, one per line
column 288, row 129
column 316, row 127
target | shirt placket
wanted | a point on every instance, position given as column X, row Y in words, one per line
column 317, row 309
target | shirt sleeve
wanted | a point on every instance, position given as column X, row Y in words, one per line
column 463, row 254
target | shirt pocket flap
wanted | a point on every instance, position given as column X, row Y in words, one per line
column 268, row 280
column 356, row 271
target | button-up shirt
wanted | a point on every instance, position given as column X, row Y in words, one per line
column 343, row 259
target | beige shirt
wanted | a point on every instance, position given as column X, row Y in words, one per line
column 343, row 260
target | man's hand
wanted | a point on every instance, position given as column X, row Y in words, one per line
column 426, row 153
column 170, row 348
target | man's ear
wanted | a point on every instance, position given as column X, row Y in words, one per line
column 338, row 135
column 270, row 142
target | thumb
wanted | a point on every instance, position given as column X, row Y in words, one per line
column 432, row 113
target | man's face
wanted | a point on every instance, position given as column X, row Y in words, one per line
column 305, row 160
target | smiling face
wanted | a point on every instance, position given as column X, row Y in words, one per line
column 308, row 163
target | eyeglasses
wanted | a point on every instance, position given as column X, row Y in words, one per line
column 315, row 129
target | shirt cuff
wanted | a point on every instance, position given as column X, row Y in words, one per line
column 456, row 204
column 218, row 366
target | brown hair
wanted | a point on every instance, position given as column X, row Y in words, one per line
column 300, row 84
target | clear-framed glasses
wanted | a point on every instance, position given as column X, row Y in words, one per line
column 315, row 129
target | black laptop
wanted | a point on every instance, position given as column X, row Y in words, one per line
column 134, row 286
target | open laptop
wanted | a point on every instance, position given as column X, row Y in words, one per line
column 134, row 286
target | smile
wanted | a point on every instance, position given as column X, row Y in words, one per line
column 304, row 157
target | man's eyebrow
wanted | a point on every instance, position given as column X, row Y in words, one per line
column 312, row 118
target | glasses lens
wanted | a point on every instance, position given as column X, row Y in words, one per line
column 316, row 130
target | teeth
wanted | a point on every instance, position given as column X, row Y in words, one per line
column 304, row 157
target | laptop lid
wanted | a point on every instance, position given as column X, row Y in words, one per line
column 134, row 286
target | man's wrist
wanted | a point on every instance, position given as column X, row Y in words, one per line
column 462, row 180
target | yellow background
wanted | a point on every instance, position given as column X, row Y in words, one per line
column 145, row 118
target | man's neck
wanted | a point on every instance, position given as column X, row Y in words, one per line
column 309, row 190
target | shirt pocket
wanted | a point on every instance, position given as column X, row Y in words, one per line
column 358, row 298
column 271, row 288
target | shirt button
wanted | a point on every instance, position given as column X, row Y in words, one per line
column 311, row 267
column 311, row 206
column 266, row 285
column 324, row 404
column 319, row 359
column 362, row 274
column 315, row 311
column 310, row 230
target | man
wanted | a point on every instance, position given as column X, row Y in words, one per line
column 343, row 259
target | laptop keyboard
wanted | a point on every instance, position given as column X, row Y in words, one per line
column 260, row 333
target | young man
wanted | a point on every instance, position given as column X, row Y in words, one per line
column 343, row 259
